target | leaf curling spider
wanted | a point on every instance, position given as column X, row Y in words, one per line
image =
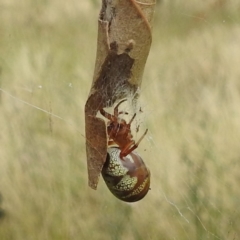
column 124, row 171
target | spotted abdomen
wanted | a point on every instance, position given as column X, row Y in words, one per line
column 127, row 178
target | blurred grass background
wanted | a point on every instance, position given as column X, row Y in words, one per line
column 190, row 96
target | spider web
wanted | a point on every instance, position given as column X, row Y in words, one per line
column 190, row 106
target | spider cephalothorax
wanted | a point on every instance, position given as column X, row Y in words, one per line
column 119, row 131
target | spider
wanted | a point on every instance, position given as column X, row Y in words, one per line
column 119, row 131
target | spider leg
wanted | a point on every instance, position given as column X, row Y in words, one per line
column 116, row 108
column 107, row 115
column 122, row 112
column 116, row 113
column 131, row 146
column 130, row 122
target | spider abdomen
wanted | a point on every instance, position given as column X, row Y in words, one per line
column 127, row 178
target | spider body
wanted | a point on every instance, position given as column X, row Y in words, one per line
column 124, row 171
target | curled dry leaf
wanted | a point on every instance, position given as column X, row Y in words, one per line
column 124, row 40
